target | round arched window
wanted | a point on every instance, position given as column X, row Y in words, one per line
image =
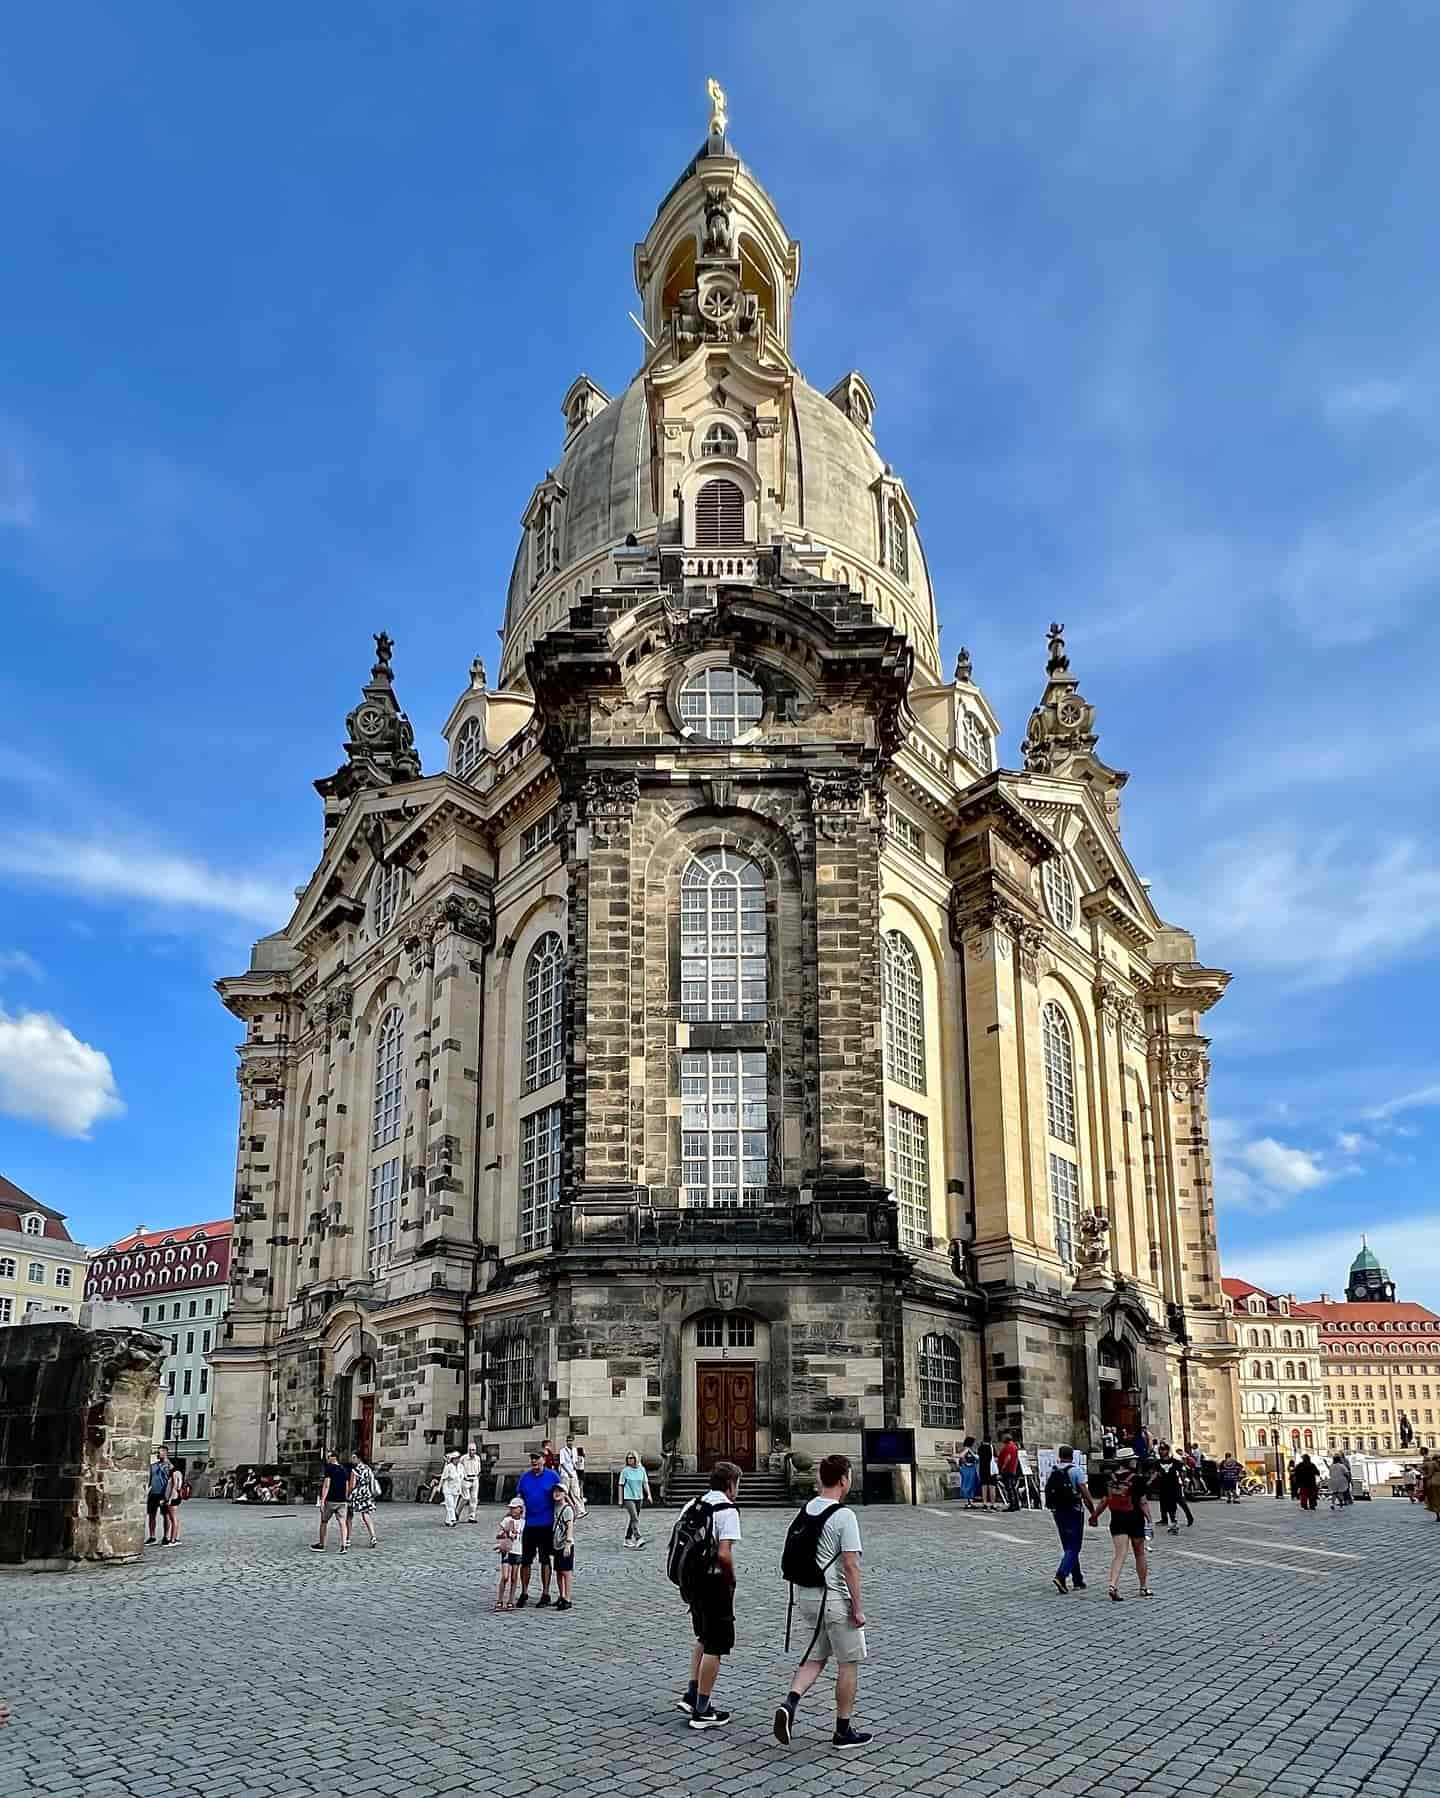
column 720, row 440
column 721, row 703
column 1059, row 888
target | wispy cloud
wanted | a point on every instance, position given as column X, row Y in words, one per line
column 1421, row 1099
column 1262, row 1173
column 48, row 1076
column 1317, row 909
column 18, row 508
column 1374, row 398
column 16, row 961
column 96, row 869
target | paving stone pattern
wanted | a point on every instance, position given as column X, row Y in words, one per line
column 242, row 1662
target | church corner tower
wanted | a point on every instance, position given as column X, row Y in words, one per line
column 725, row 1054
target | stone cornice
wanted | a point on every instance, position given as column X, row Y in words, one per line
column 992, row 806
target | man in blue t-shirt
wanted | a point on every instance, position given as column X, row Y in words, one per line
column 1069, row 1500
column 537, row 1489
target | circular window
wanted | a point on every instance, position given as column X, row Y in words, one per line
column 720, row 440
column 721, row 703
column 1059, row 893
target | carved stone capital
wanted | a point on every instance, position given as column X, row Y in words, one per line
column 262, row 1084
column 461, row 914
column 835, row 803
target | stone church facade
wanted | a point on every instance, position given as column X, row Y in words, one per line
column 724, row 1053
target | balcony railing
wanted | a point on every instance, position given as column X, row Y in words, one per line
column 782, row 1220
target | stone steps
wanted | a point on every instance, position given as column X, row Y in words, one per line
column 756, row 1489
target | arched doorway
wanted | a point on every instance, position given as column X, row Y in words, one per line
column 352, row 1407
column 726, row 1354
column 1119, row 1388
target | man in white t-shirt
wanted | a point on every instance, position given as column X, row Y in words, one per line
column 471, row 1467
column 712, row 1610
column 831, row 1615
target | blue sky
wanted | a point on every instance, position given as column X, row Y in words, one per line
column 1145, row 292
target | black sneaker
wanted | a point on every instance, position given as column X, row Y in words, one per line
column 542, row 1601
column 851, row 1738
column 563, row 1604
column 783, row 1722
column 522, row 1601
column 685, row 1703
column 1078, row 1583
column 710, row 1719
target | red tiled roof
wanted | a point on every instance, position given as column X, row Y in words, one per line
column 154, row 1239
column 1397, row 1311
column 149, row 1262
column 1242, row 1289
column 15, row 1203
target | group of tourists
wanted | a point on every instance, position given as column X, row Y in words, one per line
column 991, row 1479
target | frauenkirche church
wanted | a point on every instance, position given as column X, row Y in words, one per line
column 724, row 1053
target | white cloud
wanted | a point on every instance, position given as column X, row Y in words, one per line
column 16, row 961
column 102, row 870
column 1321, row 909
column 1420, row 1100
column 1351, row 1142
column 48, row 1076
column 1263, row 1173
column 1282, row 1168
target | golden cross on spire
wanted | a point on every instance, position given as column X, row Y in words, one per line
column 719, row 117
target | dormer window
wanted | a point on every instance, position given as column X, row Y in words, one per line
column 720, row 515
column 720, row 440
column 897, row 539
column 977, row 743
column 34, row 1224
column 469, row 748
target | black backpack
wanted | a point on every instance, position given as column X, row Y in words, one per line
column 800, row 1557
column 1060, row 1493
column 694, row 1550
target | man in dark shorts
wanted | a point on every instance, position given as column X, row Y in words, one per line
column 712, row 1615
column 336, row 1480
column 537, row 1489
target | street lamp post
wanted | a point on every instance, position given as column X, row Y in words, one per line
column 1275, row 1432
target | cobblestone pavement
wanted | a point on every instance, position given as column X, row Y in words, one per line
column 1284, row 1653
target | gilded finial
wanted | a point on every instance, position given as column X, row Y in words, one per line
column 719, row 117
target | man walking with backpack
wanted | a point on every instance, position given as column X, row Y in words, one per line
column 1067, row 1497
column 701, row 1562
column 822, row 1559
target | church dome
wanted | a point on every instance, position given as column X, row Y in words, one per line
column 1365, row 1262
column 719, row 395
column 604, row 477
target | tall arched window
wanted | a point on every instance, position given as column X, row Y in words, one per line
column 720, row 515
column 940, row 1394
column 1269, row 1370
column 1059, row 887
column 1254, row 1370
column 1292, row 1404
column 1059, row 1073
column 897, row 533
column 903, row 998
column 1059, row 1051
column 977, row 743
column 389, row 1078
column 386, row 890
column 387, row 1113
column 1289, row 1370
column 722, row 939
column 544, row 1012
column 469, row 747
